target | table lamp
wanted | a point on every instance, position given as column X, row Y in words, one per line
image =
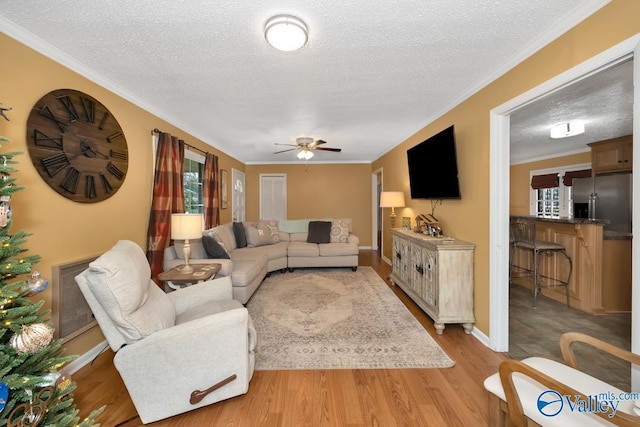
column 392, row 199
column 186, row 226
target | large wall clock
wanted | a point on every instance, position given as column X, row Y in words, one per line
column 77, row 146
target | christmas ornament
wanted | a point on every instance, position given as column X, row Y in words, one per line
column 5, row 210
column 4, row 395
column 30, row 414
column 32, row 338
column 63, row 381
column 36, row 283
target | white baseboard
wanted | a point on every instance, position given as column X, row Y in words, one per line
column 364, row 247
column 85, row 359
column 480, row 336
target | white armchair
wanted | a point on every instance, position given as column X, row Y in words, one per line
column 175, row 352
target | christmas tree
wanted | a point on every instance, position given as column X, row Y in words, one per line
column 33, row 390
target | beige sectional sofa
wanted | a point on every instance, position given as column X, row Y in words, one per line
column 271, row 246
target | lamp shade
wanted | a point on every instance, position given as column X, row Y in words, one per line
column 186, row 226
column 392, row 199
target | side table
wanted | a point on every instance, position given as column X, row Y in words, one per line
column 176, row 279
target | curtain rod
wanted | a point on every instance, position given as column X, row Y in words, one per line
column 156, row 130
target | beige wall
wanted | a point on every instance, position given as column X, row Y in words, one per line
column 319, row 191
column 468, row 218
column 63, row 230
column 520, row 178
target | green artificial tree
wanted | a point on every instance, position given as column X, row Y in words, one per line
column 33, row 390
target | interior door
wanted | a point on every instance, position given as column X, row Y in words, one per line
column 273, row 196
column 238, row 197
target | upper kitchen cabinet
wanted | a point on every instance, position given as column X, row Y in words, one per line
column 612, row 155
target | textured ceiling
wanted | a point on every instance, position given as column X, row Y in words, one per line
column 372, row 74
column 604, row 101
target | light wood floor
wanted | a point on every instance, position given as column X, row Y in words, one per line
column 386, row 398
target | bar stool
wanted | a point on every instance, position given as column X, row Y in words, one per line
column 523, row 233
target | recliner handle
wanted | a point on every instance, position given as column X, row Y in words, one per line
column 198, row 395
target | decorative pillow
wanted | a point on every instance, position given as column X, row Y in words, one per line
column 319, row 232
column 339, row 231
column 241, row 237
column 273, row 228
column 260, row 235
column 226, row 240
column 213, row 248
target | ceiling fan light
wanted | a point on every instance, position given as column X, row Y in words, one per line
column 305, row 154
column 286, row 32
column 567, row 129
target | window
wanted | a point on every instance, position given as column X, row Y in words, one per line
column 548, row 202
column 551, row 196
column 193, row 173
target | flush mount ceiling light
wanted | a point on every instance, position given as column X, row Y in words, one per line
column 567, row 129
column 286, row 32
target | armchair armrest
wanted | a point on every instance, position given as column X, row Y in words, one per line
column 353, row 239
column 188, row 358
column 192, row 296
column 567, row 339
column 516, row 412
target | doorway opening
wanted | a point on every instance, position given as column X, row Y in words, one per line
column 500, row 191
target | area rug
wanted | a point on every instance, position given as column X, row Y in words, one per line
column 337, row 319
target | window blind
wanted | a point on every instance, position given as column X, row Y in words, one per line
column 545, row 181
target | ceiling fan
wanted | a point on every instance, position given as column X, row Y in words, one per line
column 305, row 146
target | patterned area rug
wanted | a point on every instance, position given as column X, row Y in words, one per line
column 337, row 319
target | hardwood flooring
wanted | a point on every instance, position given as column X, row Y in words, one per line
column 387, row 398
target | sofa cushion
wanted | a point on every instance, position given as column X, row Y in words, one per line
column 258, row 235
column 303, row 249
column 339, row 231
column 319, row 232
column 213, row 248
column 338, row 249
column 298, row 237
column 121, row 281
column 275, row 251
column 246, row 270
column 239, row 234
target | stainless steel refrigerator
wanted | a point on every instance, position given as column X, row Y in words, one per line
column 605, row 197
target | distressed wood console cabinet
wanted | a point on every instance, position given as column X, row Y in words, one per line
column 437, row 274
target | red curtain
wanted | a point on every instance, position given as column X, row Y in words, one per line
column 211, row 192
column 168, row 197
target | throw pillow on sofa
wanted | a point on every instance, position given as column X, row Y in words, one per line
column 273, row 227
column 241, row 237
column 213, row 248
column 258, row 235
column 339, row 231
column 319, row 232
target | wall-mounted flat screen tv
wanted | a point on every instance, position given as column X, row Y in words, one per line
column 433, row 167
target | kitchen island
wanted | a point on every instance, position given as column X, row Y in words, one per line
column 601, row 278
